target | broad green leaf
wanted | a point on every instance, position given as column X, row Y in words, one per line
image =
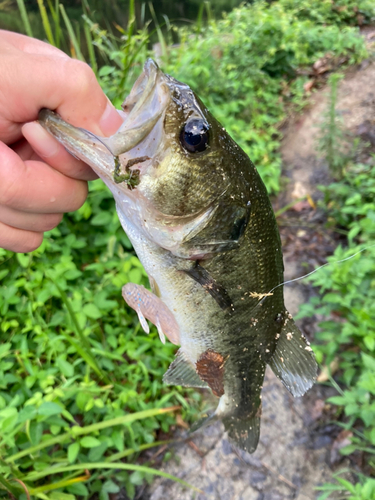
column 72, row 274
column 101, row 219
column 73, row 450
column 89, row 442
column 95, row 454
column 78, row 489
column 66, row 368
column 8, row 419
column 118, row 439
column 3, row 273
column 23, row 259
column 337, row 400
column 81, row 399
column 27, row 413
column 59, row 495
column 369, row 341
column 106, row 70
column 48, row 408
column 368, row 361
column 4, row 349
column 55, row 429
column 110, row 487
column 92, row 311
column 35, row 432
column 347, row 450
column 137, row 478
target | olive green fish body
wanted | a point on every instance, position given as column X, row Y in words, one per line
column 201, row 223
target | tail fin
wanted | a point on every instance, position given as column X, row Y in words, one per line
column 243, row 433
column 293, row 361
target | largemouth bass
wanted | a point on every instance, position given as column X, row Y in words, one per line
column 200, row 220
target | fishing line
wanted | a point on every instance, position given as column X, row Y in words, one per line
column 321, row 267
column 312, row 272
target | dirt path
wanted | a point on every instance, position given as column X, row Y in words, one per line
column 305, row 170
column 294, row 454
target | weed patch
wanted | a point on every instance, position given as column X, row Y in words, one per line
column 347, row 302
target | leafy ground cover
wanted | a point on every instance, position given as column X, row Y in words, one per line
column 248, row 68
column 347, row 335
column 71, row 353
column 346, row 301
column 80, row 386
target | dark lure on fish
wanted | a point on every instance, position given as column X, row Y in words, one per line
column 201, row 223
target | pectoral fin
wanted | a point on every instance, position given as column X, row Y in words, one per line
column 208, row 283
column 293, row 361
column 149, row 306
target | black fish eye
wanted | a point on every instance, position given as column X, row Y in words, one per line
column 194, row 136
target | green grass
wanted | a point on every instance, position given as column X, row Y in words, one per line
column 72, row 352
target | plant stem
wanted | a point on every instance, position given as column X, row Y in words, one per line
column 79, row 431
column 24, row 17
column 130, row 451
column 106, row 465
column 12, row 489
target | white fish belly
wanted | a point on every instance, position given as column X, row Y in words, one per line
column 185, row 298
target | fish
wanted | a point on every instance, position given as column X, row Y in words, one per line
column 200, row 220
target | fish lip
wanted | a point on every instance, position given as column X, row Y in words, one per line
column 80, row 143
column 149, row 73
column 142, row 109
column 147, row 102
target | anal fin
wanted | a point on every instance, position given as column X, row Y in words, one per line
column 293, row 361
column 182, row 372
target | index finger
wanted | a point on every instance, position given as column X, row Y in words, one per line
column 33, row 81
column 30, row 45
column 34, row 187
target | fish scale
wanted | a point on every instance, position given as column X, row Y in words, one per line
column 201, row 223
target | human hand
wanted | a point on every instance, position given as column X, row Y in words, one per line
column 39, row 179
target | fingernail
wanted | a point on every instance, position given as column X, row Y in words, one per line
column 110, row 120
column 41, row 141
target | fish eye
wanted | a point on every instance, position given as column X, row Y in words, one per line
column 194, row 136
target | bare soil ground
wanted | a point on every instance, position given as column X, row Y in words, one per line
column 298, row 445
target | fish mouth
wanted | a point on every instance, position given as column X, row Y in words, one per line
column 141, row 131
column 142, row 109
